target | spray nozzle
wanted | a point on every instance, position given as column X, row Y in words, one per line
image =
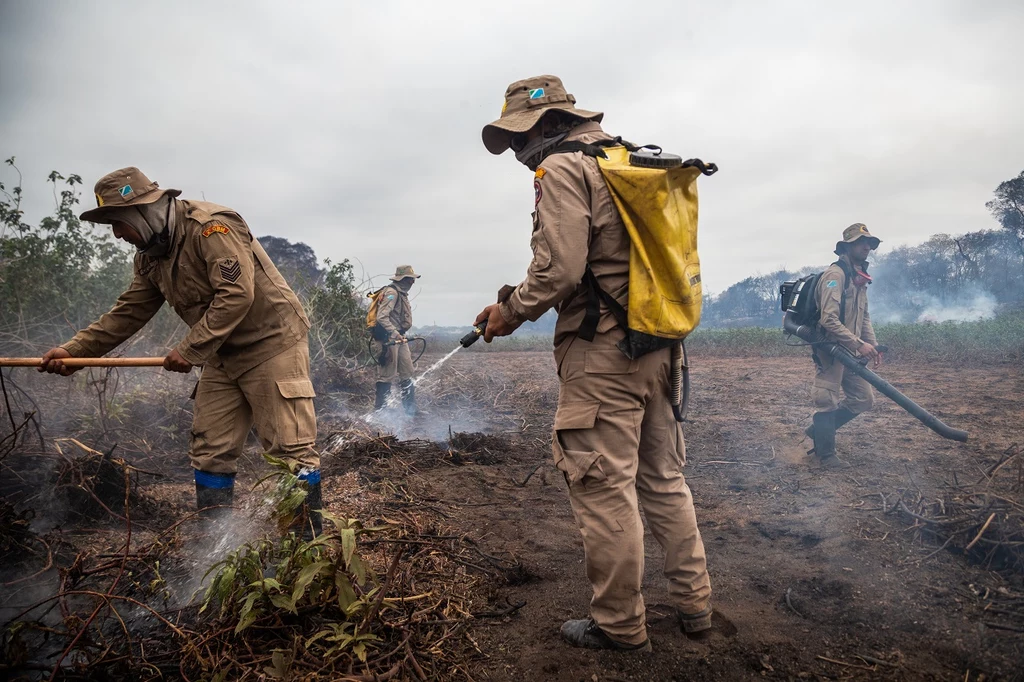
column 470, row 338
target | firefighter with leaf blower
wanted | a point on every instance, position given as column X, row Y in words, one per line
column 841, row 293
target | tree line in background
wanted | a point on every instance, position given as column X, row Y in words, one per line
column 59, row 275
column 970, row 276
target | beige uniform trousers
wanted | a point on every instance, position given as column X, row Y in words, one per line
column 614, row 437
column 399, row 364
column 275, row 395
column 831, row 376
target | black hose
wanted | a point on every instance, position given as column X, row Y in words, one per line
column 370, row 342
column 844, row 356
column 422, row 350
column 680, row 393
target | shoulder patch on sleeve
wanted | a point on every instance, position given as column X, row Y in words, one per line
column 391, row 297
column 214, row 228
column 230, row 269
column 832, row 284
column 540, row 173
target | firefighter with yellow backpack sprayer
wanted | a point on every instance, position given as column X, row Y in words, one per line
column 388, row 319
column 615, row 252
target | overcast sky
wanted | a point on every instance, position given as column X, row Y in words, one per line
column 355, row 127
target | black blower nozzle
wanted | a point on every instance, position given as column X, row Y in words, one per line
column 840, row 354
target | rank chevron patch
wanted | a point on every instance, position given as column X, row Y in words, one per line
column 231, row 271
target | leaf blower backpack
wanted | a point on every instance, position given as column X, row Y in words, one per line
column 800, row 300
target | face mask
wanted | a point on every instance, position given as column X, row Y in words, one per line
column 154, row 224
column 536, row 149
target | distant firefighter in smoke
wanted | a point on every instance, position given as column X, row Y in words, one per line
column 389, row 320
column 248, row 332
column 841, row 293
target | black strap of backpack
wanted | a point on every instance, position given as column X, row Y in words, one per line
column 842, row 299
column 595, row 295
column 704, row 168
column 594, row 149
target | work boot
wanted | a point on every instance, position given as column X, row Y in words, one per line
column 588, row 635
column 408, row 397
column 692, row 624
column 308, row 521
column 383, row 389
column 214, row 495
column 825, row 440
column 843, row 417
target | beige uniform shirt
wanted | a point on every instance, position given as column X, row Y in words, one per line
column 220, row 281
column 575, row 223
column 394, row 312
column 856, row 328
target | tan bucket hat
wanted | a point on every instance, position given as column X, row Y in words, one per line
column 403, row 271
column 125, row 187
column 526, row 101
column 855, row 232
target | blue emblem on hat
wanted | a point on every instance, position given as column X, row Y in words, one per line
column 537, row 93
column 126, row 190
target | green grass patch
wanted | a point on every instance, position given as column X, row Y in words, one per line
column 998, row 340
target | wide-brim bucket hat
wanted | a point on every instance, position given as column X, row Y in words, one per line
column 855, row 232
column 121, row 189
column 403, row 271
column 526, row 102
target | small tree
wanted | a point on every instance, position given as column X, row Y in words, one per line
column 57, row 276
column 338, row 318
column 1008, row 208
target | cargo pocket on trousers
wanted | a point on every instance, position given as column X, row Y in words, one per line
column 576, row 464
column 296, row 422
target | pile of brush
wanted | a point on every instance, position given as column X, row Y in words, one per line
column 982, row 521
column 95, row 485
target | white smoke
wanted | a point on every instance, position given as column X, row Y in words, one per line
column 972, row 303
column 980, row 306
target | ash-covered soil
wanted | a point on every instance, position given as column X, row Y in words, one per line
column 814, row 580
column 816, row 575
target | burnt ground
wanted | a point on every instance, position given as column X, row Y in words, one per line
column 816, row 575
column 865, row 587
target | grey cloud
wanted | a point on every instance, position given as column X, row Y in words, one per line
column 355, row 127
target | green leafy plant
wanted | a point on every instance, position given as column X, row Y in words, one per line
column 287, row 581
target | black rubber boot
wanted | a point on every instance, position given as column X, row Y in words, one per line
column 408, row 397
column 843, row 417
column 588, row 635
column 214, row 495
column 825, row 440
column 383, row 390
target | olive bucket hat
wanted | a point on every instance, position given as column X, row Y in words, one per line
column 853, row 233
column 403, row 271
column 120, row 189
column 526, row 101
